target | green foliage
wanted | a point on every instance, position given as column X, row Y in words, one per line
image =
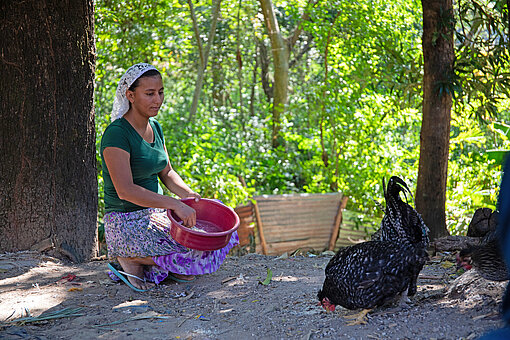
column 500, row 155
column 482, row 56
column 445, row 25
column 473, row 179
column 354, row 110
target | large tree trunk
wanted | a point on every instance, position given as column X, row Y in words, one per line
column 48, row 183
column 281, row 67
column 438, row 57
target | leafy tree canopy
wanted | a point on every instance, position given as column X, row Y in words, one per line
column 354, row 109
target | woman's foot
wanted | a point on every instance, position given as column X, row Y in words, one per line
column 132, row 267
column 184, row 277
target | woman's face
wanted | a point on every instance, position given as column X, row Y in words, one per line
column 147, row 97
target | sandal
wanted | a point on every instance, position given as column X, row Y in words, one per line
column 176, row 279
column 120, row 274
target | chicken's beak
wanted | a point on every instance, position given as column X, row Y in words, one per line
column 459, row 261
column 327, row 305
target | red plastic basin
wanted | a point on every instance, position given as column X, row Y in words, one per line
column 212, row 214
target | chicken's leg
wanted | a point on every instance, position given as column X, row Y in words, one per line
column 359, row 318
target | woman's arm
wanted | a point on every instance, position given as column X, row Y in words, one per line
column 175, row 184
column 117, row 162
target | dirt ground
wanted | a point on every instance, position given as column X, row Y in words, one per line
column 232, row 303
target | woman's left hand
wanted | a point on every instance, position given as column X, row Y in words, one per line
column 194, row 195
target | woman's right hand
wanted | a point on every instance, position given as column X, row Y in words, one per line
column 187, row 214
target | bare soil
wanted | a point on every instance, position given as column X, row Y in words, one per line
column 232, row 303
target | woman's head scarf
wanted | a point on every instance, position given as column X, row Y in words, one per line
column 121, row 103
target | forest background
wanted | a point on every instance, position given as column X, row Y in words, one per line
column 354, row 108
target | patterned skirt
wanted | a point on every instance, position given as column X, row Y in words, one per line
column 146, row 232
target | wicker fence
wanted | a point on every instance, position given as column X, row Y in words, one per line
column 285, row 223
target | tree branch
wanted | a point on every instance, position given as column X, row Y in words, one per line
column 200, row 75
column 197, row 33
column 267, row 85
column 299, row 28
column 306, row 48
column 323, row 107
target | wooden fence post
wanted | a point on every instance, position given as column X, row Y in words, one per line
column 338, row 221
column 260, row 228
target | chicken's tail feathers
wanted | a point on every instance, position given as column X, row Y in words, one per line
column 397, row 184
column 384, row 187
column 378, row 204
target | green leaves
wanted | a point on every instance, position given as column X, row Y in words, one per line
column 499, row 156
column 342, row 131
column 502, row 128
column 482, row 56
column 268, row 277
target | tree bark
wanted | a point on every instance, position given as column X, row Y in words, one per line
column 48, row 183
column 281, row 67
column 267, row 83
column 281, row 51
column 454, row 243
column 203, row 64
column 254, row 81
column 438, row 57
column 197, row 32
column 239, row 60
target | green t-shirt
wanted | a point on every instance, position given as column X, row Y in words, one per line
column 146, row 160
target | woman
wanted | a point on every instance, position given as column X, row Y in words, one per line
column 134, row 156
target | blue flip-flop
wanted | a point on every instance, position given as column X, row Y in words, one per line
column 120, row 274
column 176, row 279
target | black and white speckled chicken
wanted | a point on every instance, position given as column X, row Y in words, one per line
column 371, row 274
column 401, row 221
column 486, row 259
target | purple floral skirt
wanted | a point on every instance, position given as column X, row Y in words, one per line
column 146, row 232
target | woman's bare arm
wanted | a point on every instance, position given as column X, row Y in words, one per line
column 174, row 182
column 117, row 162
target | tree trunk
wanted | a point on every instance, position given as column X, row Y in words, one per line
column 438, row 57
column 239, row 59
column 281, row 67
column 203, row 55
column 254, row 81
column 280, row 48
column 48, row 183
column 267, row 84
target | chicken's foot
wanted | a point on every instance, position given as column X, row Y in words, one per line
column 359, row 318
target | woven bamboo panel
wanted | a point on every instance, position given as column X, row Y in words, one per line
column 297, row 221
column 306, row 222
column 355, row 228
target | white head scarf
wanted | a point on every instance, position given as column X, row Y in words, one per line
column 121, row 103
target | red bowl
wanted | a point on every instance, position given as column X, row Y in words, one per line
column 211, row 214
